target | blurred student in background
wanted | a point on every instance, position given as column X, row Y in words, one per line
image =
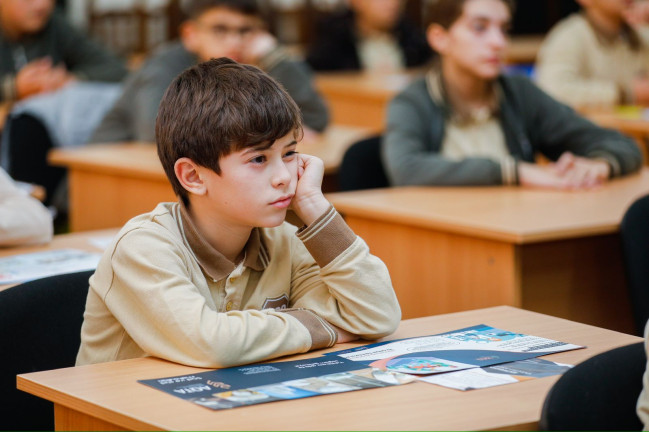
column 599, row 57
column 214, row 28
column 23, row 219
column 41, row 52
column 465, row 123
column 372, row 35
column 60, row 83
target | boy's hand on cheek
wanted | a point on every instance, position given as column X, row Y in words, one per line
column 309, row 203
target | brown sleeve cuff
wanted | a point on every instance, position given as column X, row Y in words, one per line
column 327, row 237
column 322, row 333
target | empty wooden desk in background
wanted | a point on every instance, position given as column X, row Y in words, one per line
column 107, row 396
column 451, row 249
column 111, row 183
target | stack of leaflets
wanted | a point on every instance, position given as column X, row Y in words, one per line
column 474, row 357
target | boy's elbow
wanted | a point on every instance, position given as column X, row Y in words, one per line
column 386, row 324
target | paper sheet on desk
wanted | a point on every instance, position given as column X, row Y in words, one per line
column 466, row 348
column 26, row 267
column 268, row 382
column 497, row 375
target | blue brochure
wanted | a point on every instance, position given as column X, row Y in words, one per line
column 268, row 382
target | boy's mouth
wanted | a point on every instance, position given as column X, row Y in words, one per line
column 283, row 202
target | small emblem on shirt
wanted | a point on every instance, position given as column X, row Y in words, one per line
column 276, row 303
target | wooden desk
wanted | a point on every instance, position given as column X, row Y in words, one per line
column 523, row 49
column 107, row 396
column 452, row 249
column 111, row 183
column 62, row 241
column 359, row 98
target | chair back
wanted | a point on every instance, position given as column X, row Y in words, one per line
column 40, row 328
column 634, row 232
column 598, row 394
column 361, row 167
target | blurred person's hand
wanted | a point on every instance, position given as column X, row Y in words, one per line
column 640, row 90
column 40, row 76
column 637, row 14
column 257, row 46
column 581, row 172
column 570, row 172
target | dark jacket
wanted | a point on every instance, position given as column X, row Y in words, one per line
column 334, row 47
column 63, row 44
column 532, row 123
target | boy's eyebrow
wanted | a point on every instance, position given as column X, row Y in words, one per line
column 479, row 17
column 265, row 146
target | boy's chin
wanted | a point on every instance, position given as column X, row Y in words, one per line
column 273, row 222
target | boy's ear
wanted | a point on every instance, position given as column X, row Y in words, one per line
column 188, row 174
column 437, row 38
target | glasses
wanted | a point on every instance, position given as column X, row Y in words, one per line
column 220, row 31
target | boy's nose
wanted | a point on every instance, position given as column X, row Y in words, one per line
column 281, row 175
column 498, row 39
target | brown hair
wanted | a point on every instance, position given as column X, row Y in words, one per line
column 193, row 9
column 217, row 107
column 446, row 12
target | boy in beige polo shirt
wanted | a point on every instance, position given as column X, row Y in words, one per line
column 219, row 279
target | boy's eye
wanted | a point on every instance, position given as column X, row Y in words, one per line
column 479, row 27
column 290, row 153
column 258, row 159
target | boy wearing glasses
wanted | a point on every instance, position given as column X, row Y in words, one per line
column 213, row 29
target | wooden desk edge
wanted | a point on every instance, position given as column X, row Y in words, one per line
column 70, row 159
column 81, row 406
column 347, row 207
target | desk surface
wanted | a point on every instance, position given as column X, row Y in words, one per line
column 110, row 392
column 61, row 241
column 372, row 86
column 140, row 159
column 511, row 214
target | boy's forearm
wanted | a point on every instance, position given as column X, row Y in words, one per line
column 349, row 287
